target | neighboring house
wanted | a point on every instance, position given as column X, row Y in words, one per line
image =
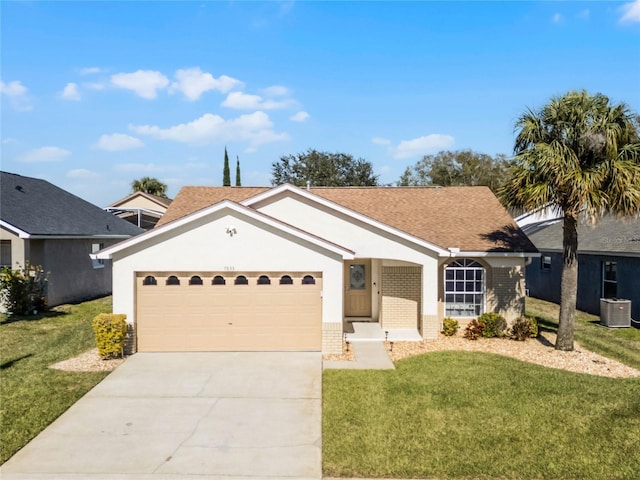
column 45, row 225
column 608, row 262
column 242, row 268
column 140, row 208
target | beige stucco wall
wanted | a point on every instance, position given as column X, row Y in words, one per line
column 204, row 245
column 143, row 202
column 17, row 247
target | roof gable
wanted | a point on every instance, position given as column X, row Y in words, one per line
column 469, row 218
column 160, row 201
column 36, row 207
column 233, row 207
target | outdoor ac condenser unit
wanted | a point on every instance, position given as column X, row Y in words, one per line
column 615, row 312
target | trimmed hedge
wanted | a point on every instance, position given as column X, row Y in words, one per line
column 111, row 331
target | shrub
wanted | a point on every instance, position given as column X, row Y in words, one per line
column 523, row 328
column 22, row 290
column 473, row 330
column 110, row 330
column 450, row 326
column 494, row 325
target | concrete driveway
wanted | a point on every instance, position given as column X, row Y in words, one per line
column 187, row 416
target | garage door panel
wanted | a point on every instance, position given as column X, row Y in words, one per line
column 228, row 317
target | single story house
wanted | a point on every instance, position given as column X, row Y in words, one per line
column 140, row 208
column 258, row 268
column 608, row 262
column 45, row 225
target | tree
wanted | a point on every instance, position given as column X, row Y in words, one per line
column 226, row 174
column 149, row 185
column 323, row 169
column 463, row 167
column 238, row 182
column 579, row 155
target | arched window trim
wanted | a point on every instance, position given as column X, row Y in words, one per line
column 196, row 280
column 308, row 280
column 244, row 280
column 216, row 280
column 286, row 280
column 171, row 282
column 264, row 280
column 149, row 280
column 465, row 289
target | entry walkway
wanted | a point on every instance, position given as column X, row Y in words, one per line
column 368, row 343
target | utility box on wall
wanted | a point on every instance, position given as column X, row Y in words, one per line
column 615, row 312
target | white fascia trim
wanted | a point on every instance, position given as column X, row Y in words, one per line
column 108, row 252
column 594, row 252
column 345, row 211
column 14, row 229
column 77, row 237
column 492, row 254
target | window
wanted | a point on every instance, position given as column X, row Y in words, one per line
column 264, row 280
column 286, row 280
column 149, row 280
column 173, row 280
column 464, row 288
column 218, row 280
column 95, row 247
column 5, row 253
column 241, row 280
column 609, row 279
column 308, row 280
column 545, row 262
column 195, row 280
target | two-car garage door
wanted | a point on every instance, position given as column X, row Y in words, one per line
column 228, row 311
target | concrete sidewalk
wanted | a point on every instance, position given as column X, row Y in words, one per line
column 187, row 416
column 369, row 355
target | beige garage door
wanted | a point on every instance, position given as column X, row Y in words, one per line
column 242, row 311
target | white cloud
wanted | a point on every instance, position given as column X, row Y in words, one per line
column 557, row 18
column 245, row 101
column 193, row 82
column 90, row 70
column 71, row 92
column 422, row 145
column 145, row 83
column 117, row 142
column 9, row 140
column 82, row 174
column 18, row 95
column 144, row 168
column 276, row 91
column 584, row 14
column 631, row 12
column 45, row 154
column 94, row 85
column 255, row 128
column 381, row 141
column 301, row 116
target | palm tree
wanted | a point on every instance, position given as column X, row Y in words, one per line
column 149, row 185
column 579, row 154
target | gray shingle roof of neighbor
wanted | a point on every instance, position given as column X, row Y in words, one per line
column 38, row 207
column 609, row 235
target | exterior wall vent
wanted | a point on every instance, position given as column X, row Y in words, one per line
column 615, row 312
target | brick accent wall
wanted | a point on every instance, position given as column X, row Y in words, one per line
column 431, row 325
column 401, row 291
column 505, row 295
column 332, row 338
column 130, row 346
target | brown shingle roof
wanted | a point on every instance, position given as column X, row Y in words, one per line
column 470, row 218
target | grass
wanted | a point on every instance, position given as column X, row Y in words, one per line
column 33, row 395
column 622, row 344
column 462, row 415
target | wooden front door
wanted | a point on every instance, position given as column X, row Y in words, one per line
column 357, row 283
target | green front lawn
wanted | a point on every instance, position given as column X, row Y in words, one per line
column 482, row 416
column 31, row 394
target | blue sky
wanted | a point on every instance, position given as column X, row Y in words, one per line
column 97, row 94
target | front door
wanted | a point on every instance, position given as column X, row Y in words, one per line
column 357, row 282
